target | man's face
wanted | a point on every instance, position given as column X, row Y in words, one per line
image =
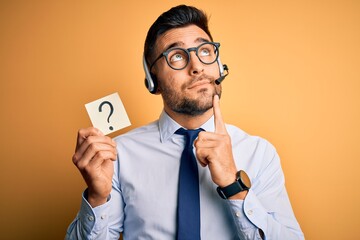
column 190, row 90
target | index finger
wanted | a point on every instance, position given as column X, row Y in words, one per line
column 219, row 122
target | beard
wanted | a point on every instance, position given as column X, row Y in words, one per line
column 182, row 104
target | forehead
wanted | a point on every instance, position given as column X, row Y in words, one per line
column 184, row 37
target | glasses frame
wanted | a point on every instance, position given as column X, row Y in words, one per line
column 193, row 49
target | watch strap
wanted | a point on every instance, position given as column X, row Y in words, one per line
column 230, row 190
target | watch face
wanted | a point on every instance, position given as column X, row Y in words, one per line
column 245, row 178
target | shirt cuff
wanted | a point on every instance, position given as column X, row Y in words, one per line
column 93, row 219
column 246, row 214
column 255, row 211
column 237, row 210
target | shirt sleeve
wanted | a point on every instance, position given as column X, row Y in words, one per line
column 101, row 222
column 266, row 206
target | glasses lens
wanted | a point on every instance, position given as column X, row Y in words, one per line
column 177, row 58
column 207, row 53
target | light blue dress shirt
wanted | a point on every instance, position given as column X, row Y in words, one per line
column 143, row 200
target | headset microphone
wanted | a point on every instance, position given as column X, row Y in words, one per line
column 220, row 79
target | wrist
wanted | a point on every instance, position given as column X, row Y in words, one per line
column 95, row 199
column 229, row 179
column 237, row 189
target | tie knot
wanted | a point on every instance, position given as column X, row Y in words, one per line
column 190, row 135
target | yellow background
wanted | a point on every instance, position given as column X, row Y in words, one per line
column 294, row 80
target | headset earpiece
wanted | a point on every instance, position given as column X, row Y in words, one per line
column 150, row 79
column 221, row 67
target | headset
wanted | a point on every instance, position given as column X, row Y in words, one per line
column 151, row 81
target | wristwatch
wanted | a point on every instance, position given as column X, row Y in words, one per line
column 242, row 183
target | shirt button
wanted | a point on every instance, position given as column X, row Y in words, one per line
column 238, row 214
column 103, row 216
column 91, row 218
column 250, row 212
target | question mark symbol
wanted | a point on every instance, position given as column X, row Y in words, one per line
column 111, row 111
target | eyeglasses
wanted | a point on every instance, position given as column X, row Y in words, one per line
column 178, row 58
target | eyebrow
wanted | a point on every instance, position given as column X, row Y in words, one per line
column 180, row 43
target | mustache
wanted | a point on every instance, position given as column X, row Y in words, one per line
column 199, row 78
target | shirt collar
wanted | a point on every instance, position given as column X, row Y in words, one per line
column 168, row 126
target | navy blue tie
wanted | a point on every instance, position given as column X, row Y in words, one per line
column 188, row 212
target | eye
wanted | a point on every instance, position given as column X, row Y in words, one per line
column 176, row 57
column 204, row 52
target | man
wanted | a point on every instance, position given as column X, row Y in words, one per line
column 135, row 182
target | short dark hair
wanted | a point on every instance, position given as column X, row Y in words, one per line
column 176, row 17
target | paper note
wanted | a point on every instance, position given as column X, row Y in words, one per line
column 108, row 114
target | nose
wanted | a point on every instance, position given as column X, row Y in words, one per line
column 195, row 66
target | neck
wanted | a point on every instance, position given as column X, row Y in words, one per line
column 189, row 121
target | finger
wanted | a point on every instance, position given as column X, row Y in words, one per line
column 205, row 143
column 95, row 149
column 101, row 157
column 93, row 140
column 87, row 163
column 81, row 159
column 201, row 156
column 203, row 164
column 84, row 133
column 208, row 136
column 219, row 123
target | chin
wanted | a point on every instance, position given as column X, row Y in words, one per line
column 194, row 107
